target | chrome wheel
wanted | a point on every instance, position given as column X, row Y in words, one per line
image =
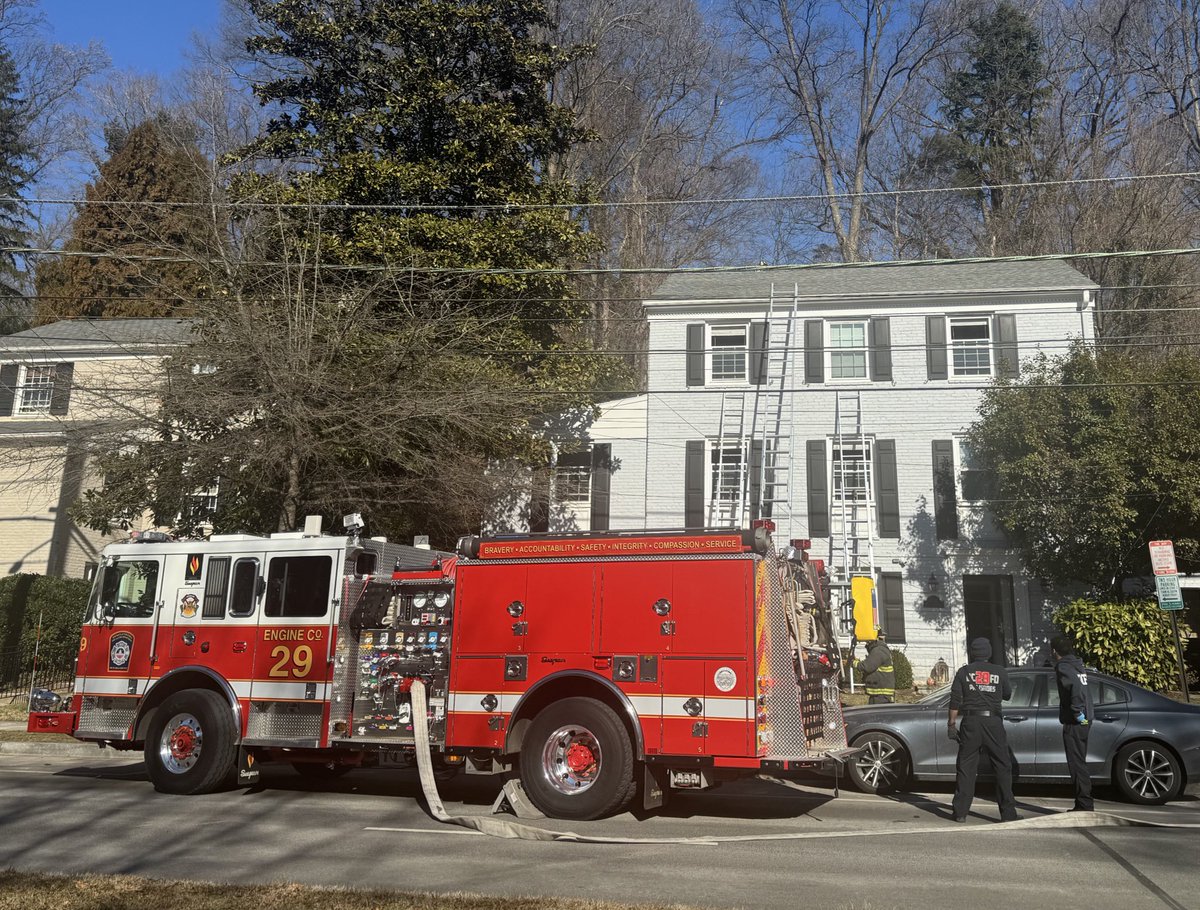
column 571, row 759
column 1149, row 774
column 879, row 765
column 180, row 743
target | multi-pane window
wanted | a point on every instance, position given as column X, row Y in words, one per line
column 573, row 481
column 848, row 350
column 971, row 347
column 851, row 470
column 729, row 347
column 37, row 390
column 975, row 483
column 726, row 463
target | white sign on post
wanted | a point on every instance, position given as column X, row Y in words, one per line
column 1170, row 595
column 1162, row 557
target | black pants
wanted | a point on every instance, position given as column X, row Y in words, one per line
column 1075, row 737
column 880, row 699
column 982, row 734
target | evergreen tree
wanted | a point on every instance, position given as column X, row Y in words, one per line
column 992, row 108
column 13, row 176
column 152, row 163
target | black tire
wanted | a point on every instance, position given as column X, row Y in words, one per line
column 190, row 747
column 320, row 770
column 1147, row 773
column 577, row 761
column 882, row 766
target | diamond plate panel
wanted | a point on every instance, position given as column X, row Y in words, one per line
column 284, row 720
column 99, row 714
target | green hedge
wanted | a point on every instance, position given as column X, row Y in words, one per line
column 1130, row 640
column 904, row 677
column 60, row 602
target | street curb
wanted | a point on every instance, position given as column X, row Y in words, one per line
column 66, row 750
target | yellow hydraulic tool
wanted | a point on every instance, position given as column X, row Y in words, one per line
column 866, row 613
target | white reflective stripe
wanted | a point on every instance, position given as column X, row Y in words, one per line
column 269, row 691
column 117, row 685
column 646, row 705
column 470, row 702
column 241, row 687
column 714, row 708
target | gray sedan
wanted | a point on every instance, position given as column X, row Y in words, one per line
column 1146, row 745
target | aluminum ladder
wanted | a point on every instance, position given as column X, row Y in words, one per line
column 852, row 536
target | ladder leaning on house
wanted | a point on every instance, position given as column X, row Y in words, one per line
column 752, row 465
column 852, row 532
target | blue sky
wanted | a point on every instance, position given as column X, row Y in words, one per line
column 143, row 35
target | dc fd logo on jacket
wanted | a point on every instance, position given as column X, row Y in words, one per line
column 983, row 681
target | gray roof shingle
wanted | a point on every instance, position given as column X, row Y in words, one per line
column 874, row 280
column 99, row 334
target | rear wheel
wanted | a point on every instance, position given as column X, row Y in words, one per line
column 882, row 766
column 1147, row 773
column 577, row 761
column 191, row 745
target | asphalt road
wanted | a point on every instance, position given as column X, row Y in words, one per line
column 370, row 828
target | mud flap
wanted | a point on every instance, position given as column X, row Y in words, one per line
column 654, row 786
column 247, row 767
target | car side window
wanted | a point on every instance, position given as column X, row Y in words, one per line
column 1111, row 695
column 1023, row 687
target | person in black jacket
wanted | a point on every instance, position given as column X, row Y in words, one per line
column 1075, row 714
column 976, row 694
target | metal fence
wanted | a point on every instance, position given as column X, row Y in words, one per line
column 54, row 670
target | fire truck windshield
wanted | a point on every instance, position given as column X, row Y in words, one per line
column 125, row 589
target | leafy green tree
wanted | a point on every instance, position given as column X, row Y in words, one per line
column 14, row 155
column 1130, row 640
column 991, row 108
column 1093, row 455
column 144, row 203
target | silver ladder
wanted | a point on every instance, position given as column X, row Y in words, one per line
column 771, row 421
column 727, row 502
column 852, row 537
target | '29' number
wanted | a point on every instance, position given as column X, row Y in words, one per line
column 291, row 663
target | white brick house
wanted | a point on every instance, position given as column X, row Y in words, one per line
column 917, row 343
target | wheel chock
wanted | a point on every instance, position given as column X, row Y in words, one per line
column 512, row 798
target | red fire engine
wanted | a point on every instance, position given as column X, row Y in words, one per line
column 594, row 665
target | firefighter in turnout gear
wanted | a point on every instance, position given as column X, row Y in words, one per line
column 1075, row 715
column 879, row 679
column 976, row 694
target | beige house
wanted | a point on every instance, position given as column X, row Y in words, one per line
column 64, row 388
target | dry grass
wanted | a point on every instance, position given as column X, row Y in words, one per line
column 14, row 710
column 33, row 891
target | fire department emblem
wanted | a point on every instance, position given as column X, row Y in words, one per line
column 195, row 562
column 725, row 679
column 120, row 649
column 189, row 605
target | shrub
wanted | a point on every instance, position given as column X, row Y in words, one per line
column 1130, row 640
column 59, row 601
column 904, row 677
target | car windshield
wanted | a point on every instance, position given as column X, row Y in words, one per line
column 938, row 693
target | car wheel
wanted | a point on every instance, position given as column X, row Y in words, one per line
column 577, row 761
column 882, row 766
column 190, row 747
column 1147, row 773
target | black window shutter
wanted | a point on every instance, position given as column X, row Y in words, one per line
column 758, row 352
column 818, row 490
column 755, row 480
column 539, row 499
column 1007, row 361
column 887, row 491
column 945, row 502
column 814, row 351
column 695, row 353
column 601, row 485
column 891, row 605
column 9, row 373
column 935, row 346
column 60, row 395
column 881, row 349
column 693, row 484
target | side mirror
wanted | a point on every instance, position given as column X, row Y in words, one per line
column 108, row 612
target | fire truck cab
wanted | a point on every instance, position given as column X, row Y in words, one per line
column 593, row 665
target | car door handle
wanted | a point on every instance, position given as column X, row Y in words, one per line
column 1108, row 718
column 1015, row 718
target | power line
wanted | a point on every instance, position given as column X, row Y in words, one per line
column 584, row 205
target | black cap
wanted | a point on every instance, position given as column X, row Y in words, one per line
column 981, row 649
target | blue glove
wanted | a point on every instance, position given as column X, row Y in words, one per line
column 1081, row 718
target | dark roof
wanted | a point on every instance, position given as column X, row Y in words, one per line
column 874, row 280
column 99, row 335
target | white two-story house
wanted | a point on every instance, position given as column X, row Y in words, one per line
column 843, row 422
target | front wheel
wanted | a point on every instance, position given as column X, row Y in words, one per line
column 191, row 744
column 1147, row 773
column 577, row 761
column 882, row 766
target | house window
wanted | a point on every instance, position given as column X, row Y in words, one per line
column 971, row 347
column 37, row 390
column 726, row 480
column 848, row 350
column 851, row 470
column 974, row 483
column 573, row 479
column 201, row 506
column 729, row 347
